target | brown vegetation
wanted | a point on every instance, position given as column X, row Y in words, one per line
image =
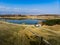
column 13, row 34
column 46, row 16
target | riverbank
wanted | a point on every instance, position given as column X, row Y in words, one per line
column 16, row 34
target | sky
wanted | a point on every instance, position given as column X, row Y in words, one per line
column 28, row 7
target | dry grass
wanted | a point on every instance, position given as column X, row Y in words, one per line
column 13, row 34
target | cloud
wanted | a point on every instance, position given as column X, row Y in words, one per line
column 18, row 9
column 31, row 9
column 4, row 8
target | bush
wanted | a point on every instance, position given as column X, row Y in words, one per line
column 52, row 22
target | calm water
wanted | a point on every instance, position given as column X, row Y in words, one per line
column 26, row 21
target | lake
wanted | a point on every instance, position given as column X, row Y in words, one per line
column 22, row 21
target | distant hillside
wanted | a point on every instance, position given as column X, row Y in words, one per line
column 46, row 16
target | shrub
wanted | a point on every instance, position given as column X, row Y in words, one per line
column 52, row 22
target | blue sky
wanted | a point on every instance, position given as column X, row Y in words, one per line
column 29, row 7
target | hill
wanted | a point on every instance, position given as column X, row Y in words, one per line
column 45, row 16
column 14, row 34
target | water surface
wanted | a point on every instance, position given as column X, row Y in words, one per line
column 22, row 21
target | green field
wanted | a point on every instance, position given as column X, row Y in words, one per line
column 14, row 34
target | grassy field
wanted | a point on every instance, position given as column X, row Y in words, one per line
column 14, row 34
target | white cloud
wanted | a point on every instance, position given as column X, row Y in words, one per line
column 17, row 9
column 32, row 9
column 13, row 9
